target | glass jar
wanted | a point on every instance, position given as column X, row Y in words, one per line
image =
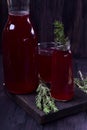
column 19, row 49
column 62, row 86
column 45, row 50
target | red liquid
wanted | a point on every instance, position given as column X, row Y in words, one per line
column 19, row 54
column 62, row 78
column 44, row 66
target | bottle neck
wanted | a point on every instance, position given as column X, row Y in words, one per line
column 18, row 7
column 18, row 13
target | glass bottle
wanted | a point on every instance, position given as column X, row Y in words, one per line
column 19, row 49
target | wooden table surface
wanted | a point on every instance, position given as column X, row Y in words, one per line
column 12, row 117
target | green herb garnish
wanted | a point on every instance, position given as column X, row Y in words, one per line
column 81, row 82
column 44, row 101
column 60, row 38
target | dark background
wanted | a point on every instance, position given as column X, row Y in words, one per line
column 73, row 13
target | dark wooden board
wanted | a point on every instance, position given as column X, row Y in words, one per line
column 27, row 102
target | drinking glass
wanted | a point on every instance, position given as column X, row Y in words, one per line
column 45, row 50
column 62, row 86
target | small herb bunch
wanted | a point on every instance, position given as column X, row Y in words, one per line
column 81, row 82
column 44, row 101
column 60, row 38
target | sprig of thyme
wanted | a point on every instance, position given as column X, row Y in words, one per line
column 80, row 85
column 81, row 82
column 44, row 101
column 59, row 33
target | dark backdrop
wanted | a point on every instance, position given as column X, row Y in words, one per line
column 73, row 13
column 3, row 18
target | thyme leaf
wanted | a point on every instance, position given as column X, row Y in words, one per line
column 82, row 82
column 44, row 101
column 59, row 36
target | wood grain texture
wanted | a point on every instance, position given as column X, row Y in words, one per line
column 27, row 102
column 73, row 13
column 13, row 117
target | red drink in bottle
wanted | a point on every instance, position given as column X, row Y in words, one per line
column 19, row 54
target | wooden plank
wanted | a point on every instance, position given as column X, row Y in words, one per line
column 27, row 102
